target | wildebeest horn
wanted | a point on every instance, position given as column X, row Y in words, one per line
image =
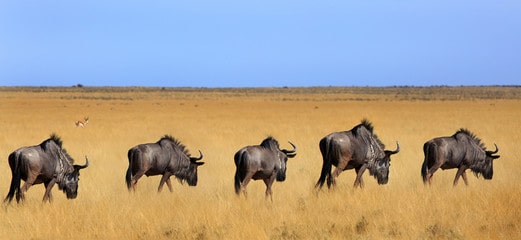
column 84, row 166
column 389, row 152
column 193, row 159
column 397, row 149
column 290, row 151
column 492, row 152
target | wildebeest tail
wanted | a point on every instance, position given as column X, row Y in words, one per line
column 128, row 177
column 238, row 165
column 15, row 181
column 429, row 153
column 326, row 166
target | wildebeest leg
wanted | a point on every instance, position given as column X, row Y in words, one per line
column 464, row 176
column 431, row 171
column 359, row 182
column 20, row 195
column 329, row 180
column 461, row 172
column 134, row 178
column 245, row 182
column 28, row 183
column 342, row 164
column 48, row 187
column 165, row 177
column 169, row 184
column 269, row 182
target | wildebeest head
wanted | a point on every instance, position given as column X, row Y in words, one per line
column 191, row 175
column 380, row 169
column 485, row 166
column 69, row 183
column 283, row 156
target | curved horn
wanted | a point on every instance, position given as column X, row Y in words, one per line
column 291, row 151
column 389, row 152
column 492, row 152
column 193, row 159
column 397, row 148
column 84, row 166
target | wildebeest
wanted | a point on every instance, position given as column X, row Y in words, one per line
column 462, row 150
column 47, row 163
column 358, row 148
column 166, row 157
column 265, row 161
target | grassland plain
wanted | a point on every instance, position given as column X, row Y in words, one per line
column 220, row 121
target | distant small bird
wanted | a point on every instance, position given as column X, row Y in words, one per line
column 83, row 123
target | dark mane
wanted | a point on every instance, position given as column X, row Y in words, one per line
column 57, row 140
column 369, row 126
column 176, row 143
column 270, row 142
column 366, row 124
column 53, row 138
column 471, row 135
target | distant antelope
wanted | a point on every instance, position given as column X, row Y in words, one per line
column 83, row 123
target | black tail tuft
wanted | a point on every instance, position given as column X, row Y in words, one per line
column 425, row 165
column 128, row 177
column 15, row 181
column 326, row 166
column 238, row 162
column 424, row 171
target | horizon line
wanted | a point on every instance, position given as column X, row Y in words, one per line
column 257, row 87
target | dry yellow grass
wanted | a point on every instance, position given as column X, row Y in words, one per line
column 219, row 122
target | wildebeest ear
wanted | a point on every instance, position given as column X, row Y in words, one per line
column 291, row 155
column 495, row 156
column 199, row 163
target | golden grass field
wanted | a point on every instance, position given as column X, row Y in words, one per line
column 221, row 121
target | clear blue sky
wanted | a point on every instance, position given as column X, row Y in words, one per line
column 260, row 43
